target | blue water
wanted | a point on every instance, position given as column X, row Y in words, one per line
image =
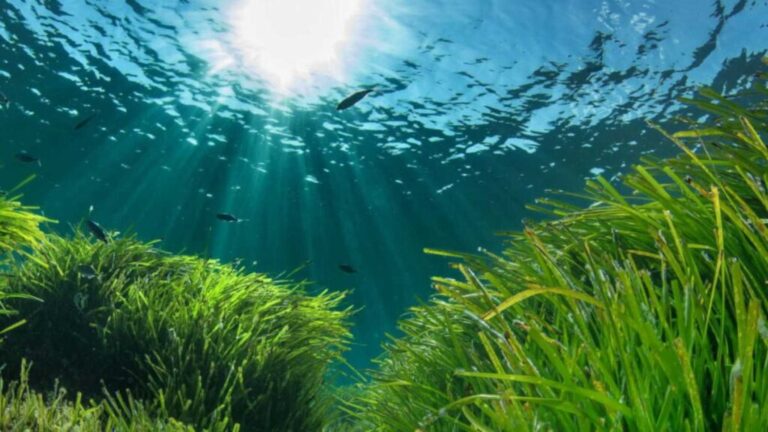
column 480, row 107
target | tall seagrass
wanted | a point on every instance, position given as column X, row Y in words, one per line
column 641, row 311
column 19, row 231
column 190, row 338
column 19, row 224
column 23, row 409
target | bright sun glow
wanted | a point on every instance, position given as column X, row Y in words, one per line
column 284, row 40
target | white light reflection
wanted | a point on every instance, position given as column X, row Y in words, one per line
column 285, row 41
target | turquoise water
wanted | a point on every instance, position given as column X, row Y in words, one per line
column 191, row 108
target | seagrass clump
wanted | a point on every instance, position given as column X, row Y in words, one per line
column 191, row 339
column 639, row 308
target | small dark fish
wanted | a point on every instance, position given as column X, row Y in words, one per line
column 352, row 99
column 226, row 217
column 84, row 122
column 346, row 268
column 87, row 272
column 97, row 230
column 4, row 101
column 26, row 158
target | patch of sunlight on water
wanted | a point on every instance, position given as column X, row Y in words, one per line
column 287, row 42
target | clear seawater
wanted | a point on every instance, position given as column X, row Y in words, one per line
column 198, row 107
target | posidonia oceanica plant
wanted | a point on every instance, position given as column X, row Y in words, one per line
column 187, row 338
column 633, row 308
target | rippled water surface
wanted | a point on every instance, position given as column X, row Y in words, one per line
column 160, row 114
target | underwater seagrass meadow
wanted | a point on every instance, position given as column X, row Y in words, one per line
column 383, row 215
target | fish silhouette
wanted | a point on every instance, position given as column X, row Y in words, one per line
column 226, row 217
column 97, row 230
column 352, row 99
column 26, row 157
column 84, row 122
